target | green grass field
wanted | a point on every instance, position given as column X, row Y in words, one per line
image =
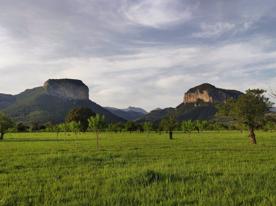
column 210, row 168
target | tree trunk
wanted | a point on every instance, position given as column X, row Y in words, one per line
column 171, row 134
column 1, row 136
column 97, row 134
column 252, row 136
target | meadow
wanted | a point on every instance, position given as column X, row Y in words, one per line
column 209, row 168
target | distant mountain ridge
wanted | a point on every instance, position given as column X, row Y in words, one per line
column 51, row 102
column 273, row 109
column 130, row 113
column 135, row 109
column 5, row 100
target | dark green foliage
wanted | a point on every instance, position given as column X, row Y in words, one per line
column 80, row 115
column 130, row 126
column 169, row 123
column 116, row 127
column 5, row 124
column 34, row 127
column 249, row 110
column 20, row 127
column 147, row 127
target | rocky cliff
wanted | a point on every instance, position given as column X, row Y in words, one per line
column 67, row 88
column 51, row 102
column 209, row 94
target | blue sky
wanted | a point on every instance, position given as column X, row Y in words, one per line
column 144, row 53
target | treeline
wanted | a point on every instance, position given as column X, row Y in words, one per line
column 250, row 111
column 131, row 126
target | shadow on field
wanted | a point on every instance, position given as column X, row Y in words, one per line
column 149, row 177
column 44, row 140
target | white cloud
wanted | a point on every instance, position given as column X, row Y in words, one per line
column 158, row 13
column 144, row 78
column 112, row 47
column 217, row 29
column 214, row 30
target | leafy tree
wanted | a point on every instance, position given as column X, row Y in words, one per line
column 5, row 124
column 34, row 126
column 20, row 127
column 169, row 123
column 80, row 115
column 249, row 110
column 115, row 127
column 147, row 126
column 270, row 122
column 187, row 126
column 200, row 125
column 130, row 126
column 75, row 127
column 64, row 127
column 96, row 123
column 57, row 129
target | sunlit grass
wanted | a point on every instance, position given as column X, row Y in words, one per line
column 210, row 168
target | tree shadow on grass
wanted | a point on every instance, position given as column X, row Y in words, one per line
column 149, row 177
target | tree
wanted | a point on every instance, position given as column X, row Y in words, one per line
column 20, row 127
column 130, row 126
column 75, row 127
column 116, row 127
column 187, row 126
column 147, row 126
column 80, row 115
column 34, row 126
column 169, row 123
column 5, row 124
column 96, row 124
column 249, row 110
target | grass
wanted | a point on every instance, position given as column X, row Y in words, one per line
column 210, row 168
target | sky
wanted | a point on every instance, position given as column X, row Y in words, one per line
column 144, row 53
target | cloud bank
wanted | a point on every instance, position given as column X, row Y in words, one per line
column 142, row 53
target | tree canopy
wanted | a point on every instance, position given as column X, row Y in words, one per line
column 80, row 115
column 249, row 109
column 5, row 124
column 96, row 123
column 169, row 123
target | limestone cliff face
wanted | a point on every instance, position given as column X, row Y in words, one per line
column 67, row 88
column 209, row 94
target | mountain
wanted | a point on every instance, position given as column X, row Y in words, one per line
column 156, row 115
column 130, row 113
column 5, row 100
column 273, row 109
column 51, row 102
column 209, row 94
column 135, row 109
column 198, row 104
